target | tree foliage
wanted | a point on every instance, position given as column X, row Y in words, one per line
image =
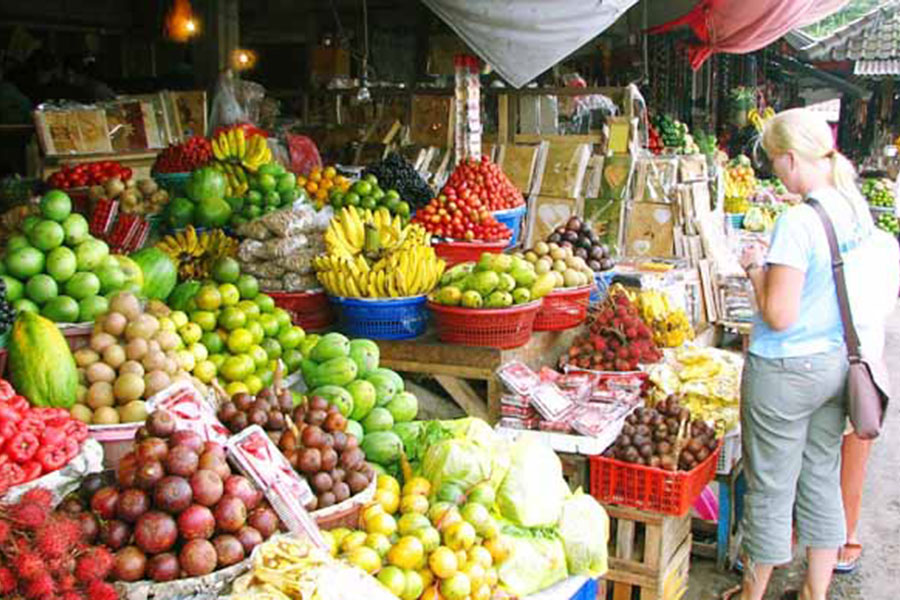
column 853, row 11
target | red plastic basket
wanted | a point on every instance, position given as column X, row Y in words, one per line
column 494, row 327
column 648, row 488
column 563, row 309
column 309, row 310
column 459, row 252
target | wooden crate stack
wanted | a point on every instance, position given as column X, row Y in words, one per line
column 649, row 555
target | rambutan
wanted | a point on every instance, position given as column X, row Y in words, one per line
column 29, row 565
column 57, row 537
column 5, row 530
column 67, row 582
column 29, row 516
column 8, row 581
column 99, row 590
column 71, row 595
column 95, row 565
column 38, row 495
column 41, row 587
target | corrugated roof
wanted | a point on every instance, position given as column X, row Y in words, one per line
column 798, row 40
column 875, row 36
column 877, row 68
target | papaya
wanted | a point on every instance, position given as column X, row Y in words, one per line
column 309, row 370
column 366, row 354
column 40, row 363
column 382, row 447
column 387, row 385
column 336, row 395
column 331, row 345
column 337, row 371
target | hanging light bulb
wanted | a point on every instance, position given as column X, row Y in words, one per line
column 181, row 23
column 243, row 59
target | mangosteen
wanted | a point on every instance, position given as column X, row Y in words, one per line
column 594, row 265
column 571, row 236
column 565, row 244
column 581, row 253
column 597, row 253
column 561, row 230
column 574, row 224
column 554, row 238
column 606, row 264
column 583, row 242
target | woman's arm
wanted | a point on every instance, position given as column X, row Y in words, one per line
column 778, row 289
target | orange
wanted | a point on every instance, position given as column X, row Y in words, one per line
column 498, row 547
column 301, row 181
column 386, row 482
column 407, row 553
column 431, row 593
column 388, row 500
column 327, row 184
column 330, row 172
column 322, row 195
column 417, row 485
column 312, row 187
column 315, row 176
column 414, row 503
column 442, row 562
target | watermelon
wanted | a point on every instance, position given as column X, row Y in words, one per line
column 206, row 183
column 160, row 272
column 182, row 297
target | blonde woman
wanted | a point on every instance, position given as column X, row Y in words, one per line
column 793, row 411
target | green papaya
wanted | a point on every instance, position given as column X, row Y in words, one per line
column 337, row 371
column 309, row 370
column 335, row 395
column 403, row 407
column 382, row 447
column 387, row 385
column 364, row 396
column 366, row 354
column 40, row 363
column 308, row 343
column 331, row 345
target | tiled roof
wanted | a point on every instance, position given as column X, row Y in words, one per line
column 873, row 37
column 877, row 68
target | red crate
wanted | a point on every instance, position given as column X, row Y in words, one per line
column 494, row 327
column 104, row 215
column 563, row 309
column 648, row 488
column 459, row 252
column 310, row 310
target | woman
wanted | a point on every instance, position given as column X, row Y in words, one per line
column 793, row 411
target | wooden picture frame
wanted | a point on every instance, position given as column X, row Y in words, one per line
column 64, row 132
column 545, row 213
column 650, row 230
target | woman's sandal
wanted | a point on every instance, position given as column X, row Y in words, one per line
column 848, row 559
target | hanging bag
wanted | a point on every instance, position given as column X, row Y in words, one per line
column 867, row 386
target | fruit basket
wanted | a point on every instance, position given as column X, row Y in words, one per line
column 346, row 513
column 459, row 252
column 649, row 488
column 493, row 327
column 512, row 218
column 563, row 309
column 381, row 318
column 310, row 310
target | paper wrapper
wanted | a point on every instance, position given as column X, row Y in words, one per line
column 191, row 411
column 66, row 480
column 260, row 460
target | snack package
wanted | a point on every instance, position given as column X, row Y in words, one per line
column 518, row 377
column 550, row 402
column 191, row 410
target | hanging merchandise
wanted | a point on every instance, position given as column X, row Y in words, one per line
column 467, row 106
column 520, row 39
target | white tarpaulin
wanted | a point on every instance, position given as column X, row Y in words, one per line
column 521, row 39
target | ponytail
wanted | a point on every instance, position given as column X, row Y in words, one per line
column 843, row 174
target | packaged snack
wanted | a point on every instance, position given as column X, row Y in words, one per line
column 518, row 377
column 550, row 402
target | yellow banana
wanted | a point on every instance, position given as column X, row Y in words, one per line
column 217, row 150
column 241, row 142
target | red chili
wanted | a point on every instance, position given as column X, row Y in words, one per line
column 52, row 459
column 22, row 446
column 11, row 474
column 32, row 469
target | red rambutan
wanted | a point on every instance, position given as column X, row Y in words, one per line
column 71, row 595
column 5, row 530
column 29, row 516
column 38, row 495
column 8, row 581
column 40, row 588
column 57, row 537
column 28, row 565
column 99, row 590
column 67, row 582
column 95, row 565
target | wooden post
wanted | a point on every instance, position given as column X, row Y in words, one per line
column 503, row 119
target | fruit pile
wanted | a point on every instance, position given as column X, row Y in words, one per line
column 429, row 549
column 185, row 157
column 672, row 133
column 37, row 441
column 205, row 204
column 740, row 180
column 243, row 331
column 134, row 352
column 175, row 509
column 495, row 281
column 664, row 437
column 654, row 141
column 585, row 243
column 195, row 254
column 889, row 223
column 617, row 338
column 878, row 192
column 7, row 312
column 270, row 409
column 87, row 174
column 346, row 374
column 142, row 197
column 395, row 172
column 244, row 153
column 370, row 255
column 55, row 267
column 671, row 327
column 320, row 182
column 485, row 181
column 271, row 188
column 568, row 269
column 461, row 217
column 368, row 195
column 50, row 554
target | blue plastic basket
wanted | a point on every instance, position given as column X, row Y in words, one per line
column 381, row 318
column 736, row 220
column 512, row 218
column 603, row 281
column 174, row 183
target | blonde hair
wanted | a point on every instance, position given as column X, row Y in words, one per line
column 809, row 136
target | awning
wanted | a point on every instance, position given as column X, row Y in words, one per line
column 839, row 83
column 889, row 67
column 521, row 39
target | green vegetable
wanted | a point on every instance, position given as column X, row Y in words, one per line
column 382, row 447
column 533, row 490
column 40, row 362
column 584, row 529
column 536, row 561
column 160, row 273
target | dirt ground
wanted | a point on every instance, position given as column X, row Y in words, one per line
column 877, row 578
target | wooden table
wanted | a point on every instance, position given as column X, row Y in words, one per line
column 453, row 365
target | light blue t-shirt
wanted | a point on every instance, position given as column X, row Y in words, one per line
column 871, row 266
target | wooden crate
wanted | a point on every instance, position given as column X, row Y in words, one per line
column 649, row 555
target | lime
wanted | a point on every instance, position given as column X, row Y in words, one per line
column 208, row 298
column 352, row 199
column 232, row 318
column 259, row 355
column 230, row 294
column 265, row 303
column 41, row 288
column 254, row 384
column 205, row 370
column 371, row 179
column 205, row 319
column 254, row 197
column 240, row 340
column 226, row 270
column 283, row 317
column 248, row 285
column 267, row 183
column 269, row 324
column 250, row 308
column 272, row 348
column 368, row 203
column 15, row 290
column 256, row 330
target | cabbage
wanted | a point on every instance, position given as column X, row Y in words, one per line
column 536, row 561
column 533, row 491
column 584, row 529
column 473, row 455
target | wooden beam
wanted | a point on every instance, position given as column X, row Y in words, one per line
column 463, row 394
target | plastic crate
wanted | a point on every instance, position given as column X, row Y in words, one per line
column 310, row 310
column 736, row 220
column 731, row 452
column 648, row 488
column 512, row 218
column 563, row 309
column 105, row 212
column 459, row 252
column 493, row 327
column 174, row 183
column 381, row 318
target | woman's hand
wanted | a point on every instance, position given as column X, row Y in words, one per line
column 753, row 255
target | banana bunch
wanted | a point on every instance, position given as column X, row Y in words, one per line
column 194, row 254
column 372, row 255
column 232, row 146
column 671, row 327
column 236, row 181
column 758, row 119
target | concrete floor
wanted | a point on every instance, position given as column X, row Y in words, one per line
column 878, row 577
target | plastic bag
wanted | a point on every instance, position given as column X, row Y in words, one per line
column 300, row 262
column 584, row 529
column 288, row 223
column 533, row 491
column 282, row 247
column 303, row 152
column 226, row 110
column 271, row 285
column 473, row 455
column 264, row 270
column 255, row 230
column 537, row 560
column 294, row 282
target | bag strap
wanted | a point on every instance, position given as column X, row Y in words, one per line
column 840, row 284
